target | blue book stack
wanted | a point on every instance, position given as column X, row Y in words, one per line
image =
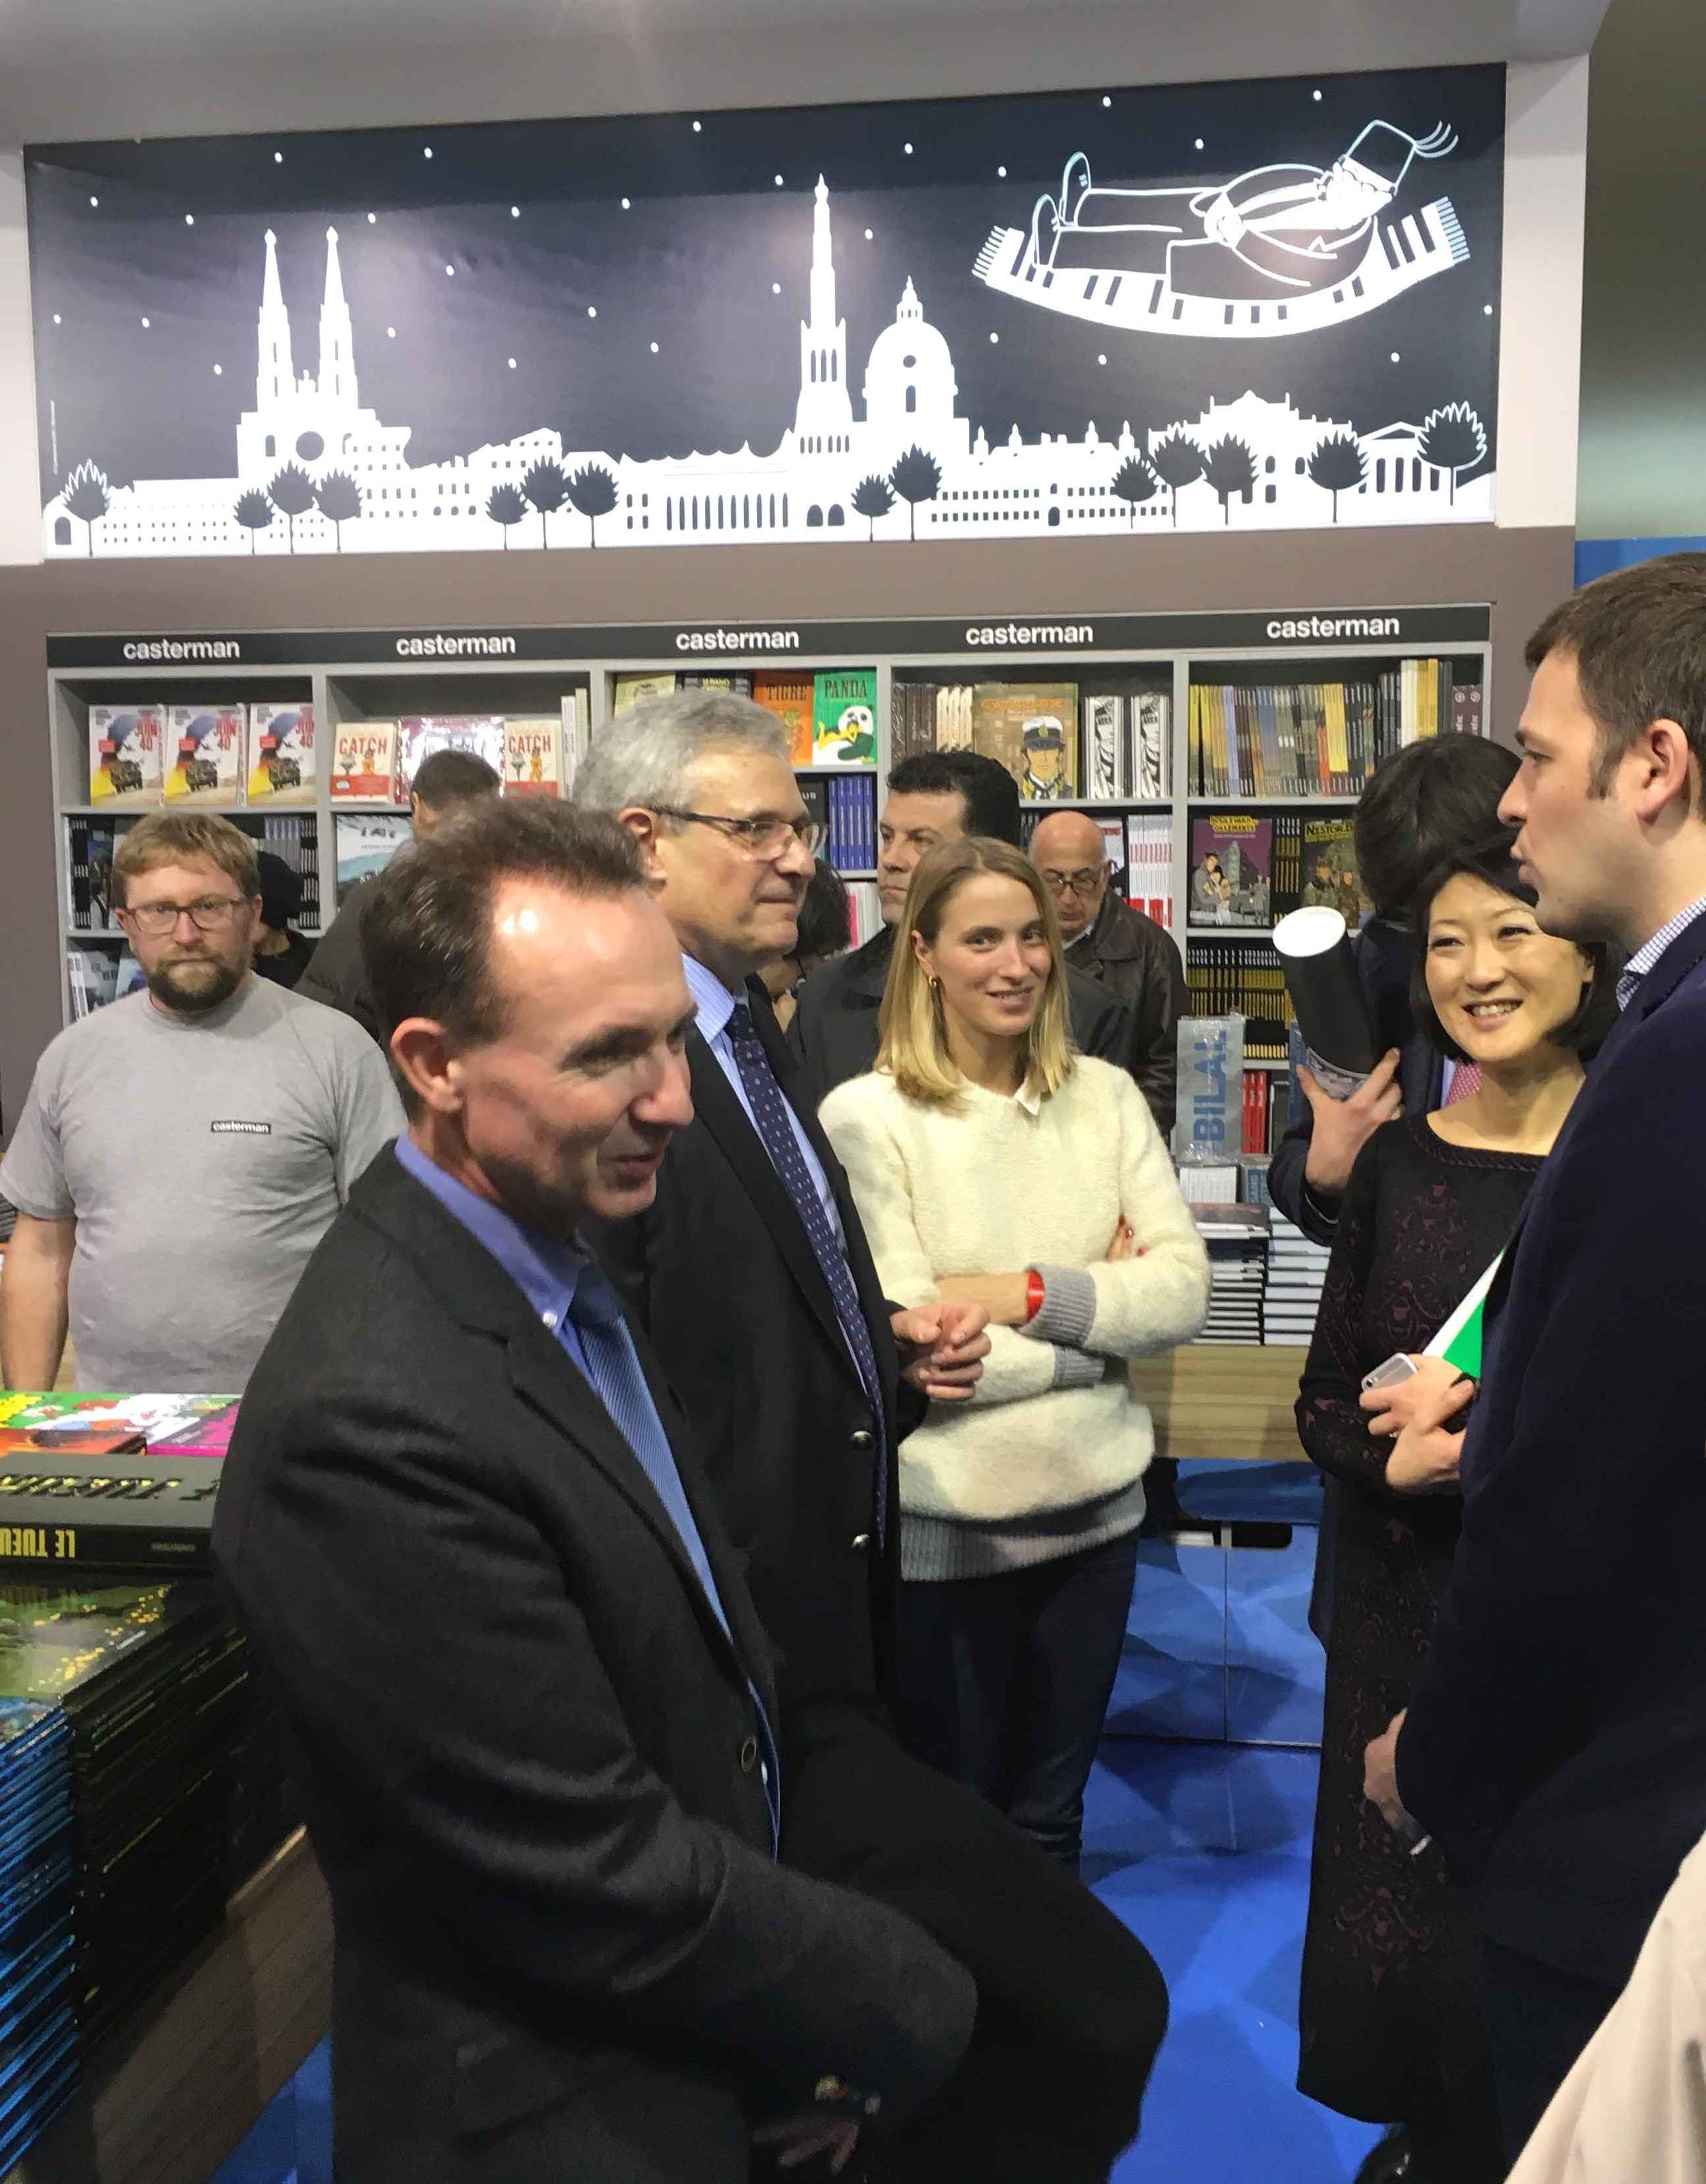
column 38, row 2022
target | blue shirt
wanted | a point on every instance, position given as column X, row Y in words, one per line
column 1645, row 957
column 716, row 1005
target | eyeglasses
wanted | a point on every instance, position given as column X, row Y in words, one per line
column 1080, row 882
column 212, row 913
column 759, row 837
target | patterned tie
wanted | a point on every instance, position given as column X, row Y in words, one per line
column 777, row 1132
column 613, row 1367
column 1466, row 1083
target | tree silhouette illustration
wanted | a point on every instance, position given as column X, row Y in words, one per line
column 1230, row 467
column 1135, row 482
column 292, row 493
column 547, row 488
column 87, row 497
column 916, row 476
column 1453, row 439
column 1176, row 461
column 593, row 492
column 339, row 501
column 254, row 511
column 505, row 506
column 1339, row 465
column 872, row 498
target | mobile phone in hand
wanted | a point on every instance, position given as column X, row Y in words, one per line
column 1399, row 1367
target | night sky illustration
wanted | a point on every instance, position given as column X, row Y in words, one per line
column 520, row 275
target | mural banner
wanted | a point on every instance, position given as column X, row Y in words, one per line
column 1266, row 305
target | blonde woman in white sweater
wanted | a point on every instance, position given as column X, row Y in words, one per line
column 991, row 1164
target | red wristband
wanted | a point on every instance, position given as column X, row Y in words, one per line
column 1036, row 1290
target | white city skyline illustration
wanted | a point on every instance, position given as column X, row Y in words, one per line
column 803, row 490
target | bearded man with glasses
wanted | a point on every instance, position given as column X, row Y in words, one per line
column 181, row 1152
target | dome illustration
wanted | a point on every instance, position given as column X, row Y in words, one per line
column 909, row 386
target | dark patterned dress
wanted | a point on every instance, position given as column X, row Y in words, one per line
column 1389, row 2026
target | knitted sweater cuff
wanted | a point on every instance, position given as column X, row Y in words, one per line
column 1068, row 1311
column 1077, row 1368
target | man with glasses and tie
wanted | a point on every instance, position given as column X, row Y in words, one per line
column 1117, row 946
column 181, row 1151
column 750, row 1275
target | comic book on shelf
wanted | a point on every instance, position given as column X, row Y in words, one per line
column 365, row 843
column 1330, row 875
column 574, row 726
column 844, row 717
column 126, row 745
column 206, row 744
column 1232, row 869
column 792, row 698
column 282, row 755
column 533, row 757
column 419, row 735
column 364, row 762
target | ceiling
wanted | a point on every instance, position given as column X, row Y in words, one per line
column 87, row 69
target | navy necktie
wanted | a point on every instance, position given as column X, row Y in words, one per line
column 613, row 1367
column 776, row 1128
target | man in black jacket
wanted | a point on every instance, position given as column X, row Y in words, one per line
column 752, row 1275
column 336, row 973
column 934, row 796
column 534, row 1708
column 1424, row 804
column 1135, row 959
column 1555, row 1744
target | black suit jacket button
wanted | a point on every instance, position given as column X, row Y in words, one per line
column 749, row 1755
column 861, row 1541
column 862, row 1440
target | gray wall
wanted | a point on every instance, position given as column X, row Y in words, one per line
column 1643, row 463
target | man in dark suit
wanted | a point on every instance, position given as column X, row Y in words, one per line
column 1556, row 1742
column 934, row 796
column 752, row 1275
column 535, row 1710
column 1424, row 803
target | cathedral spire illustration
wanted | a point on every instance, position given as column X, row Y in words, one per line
column 275, row 374
column 336, row 351
column 823, row 420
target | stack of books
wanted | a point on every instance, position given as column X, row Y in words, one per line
column 1237, row 1237
column 1296, row 1270
column 38, row 2043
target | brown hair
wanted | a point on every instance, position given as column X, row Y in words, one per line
column 1638, row 636
column 167, row 838
column 913, row 1047
column 426, row 933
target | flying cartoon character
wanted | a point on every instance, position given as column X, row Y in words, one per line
column 855, row 730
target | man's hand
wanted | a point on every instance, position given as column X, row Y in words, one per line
column 1380, row 1782
column 1427, row 1455
column 942, row 1347
column 798, row 2138
column 1344, row 1126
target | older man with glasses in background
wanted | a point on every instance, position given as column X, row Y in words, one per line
column 1117, row 946
column 181, row 1151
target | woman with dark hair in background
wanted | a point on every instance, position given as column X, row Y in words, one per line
column 1424, row 804
column 1389, row 2026
column 281, row 953
column 825, row 930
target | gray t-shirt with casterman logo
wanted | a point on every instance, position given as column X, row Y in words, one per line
column 202, row 1159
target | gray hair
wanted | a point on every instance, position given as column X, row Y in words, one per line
column 646, row 755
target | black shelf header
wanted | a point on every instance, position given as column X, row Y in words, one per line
column 695, row 644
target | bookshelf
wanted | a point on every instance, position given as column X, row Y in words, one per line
column 354, row 675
